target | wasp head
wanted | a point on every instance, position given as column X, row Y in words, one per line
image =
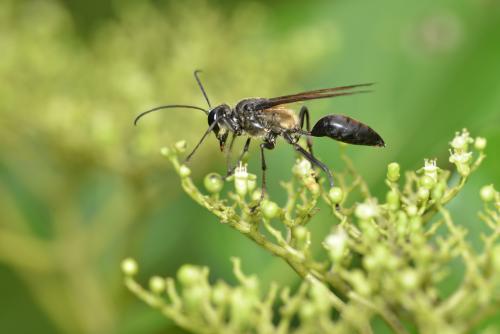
column 218, row 115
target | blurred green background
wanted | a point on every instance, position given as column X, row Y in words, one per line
column 81, row 188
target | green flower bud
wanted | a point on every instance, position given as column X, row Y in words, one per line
column 438, row 190
column 180, row 146
column 165, row 151
column 313, row 187
column 427, row 182
column 252, row 182
column 392, row 199
column 189, row 275
column 370, row 262
column 317, row 293
column 463, row 169
column 157, row 284
column 213, row 183
column 487, row 193
column 392, row 262
column 360, row 283
column 129, row 267
column 301, row 235
column 220, row 294
column 480, row 143
column 380, row 254
column 256, row 194
column 269, row 209
column 336, row 195
column 194, row 297
column 415, row 223
column 241, row 307
column 409, row 279
column 402, row 224
column 423, row 193
column 307, row 311
column 411, row 210
column 184, row 171
column 393, row 172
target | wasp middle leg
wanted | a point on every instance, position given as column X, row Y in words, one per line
column 263, row 146
column 229, row 167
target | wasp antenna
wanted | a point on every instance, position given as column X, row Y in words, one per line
column 201, row 86
column 167, row 107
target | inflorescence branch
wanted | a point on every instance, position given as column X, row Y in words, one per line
column 385, row 259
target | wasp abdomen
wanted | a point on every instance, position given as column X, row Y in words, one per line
column 347, row 130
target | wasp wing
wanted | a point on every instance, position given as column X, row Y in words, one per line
column 311, row 95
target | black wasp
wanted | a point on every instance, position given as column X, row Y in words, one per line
column 269, row 118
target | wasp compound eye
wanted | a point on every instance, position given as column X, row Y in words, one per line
column 212, row 117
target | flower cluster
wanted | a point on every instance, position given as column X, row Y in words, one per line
column 383, row 258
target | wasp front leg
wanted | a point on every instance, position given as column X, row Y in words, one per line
column 230, row 169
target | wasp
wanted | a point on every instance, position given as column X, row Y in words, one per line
column 266, row 119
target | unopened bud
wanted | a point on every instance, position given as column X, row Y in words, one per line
column 213, row 183
column 129, row 267
column 180, row 146
column 165, row 151
column 157, row 284
column 427, row 182
column 392, row 199
column 269, row 209
column 487, row 193
column 393, row 172
column 184, row 171
column 463, row 169
column 409, row 279
column 252, row 182
column 411, row 210
column 423, row 193
column 438, row 190
column 480, row 143
column 336, row 195
column 300, row 234
column 189, row 275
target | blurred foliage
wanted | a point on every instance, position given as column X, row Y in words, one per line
column 80, row 187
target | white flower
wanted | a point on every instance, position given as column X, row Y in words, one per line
column 431, row 169
column 461, row 140
column 367, row 210
column 460, row 157
column 241, row 179
column 302, row 167
column 336, row 243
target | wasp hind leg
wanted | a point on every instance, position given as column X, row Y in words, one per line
column 318, row 163
column 304, row 116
